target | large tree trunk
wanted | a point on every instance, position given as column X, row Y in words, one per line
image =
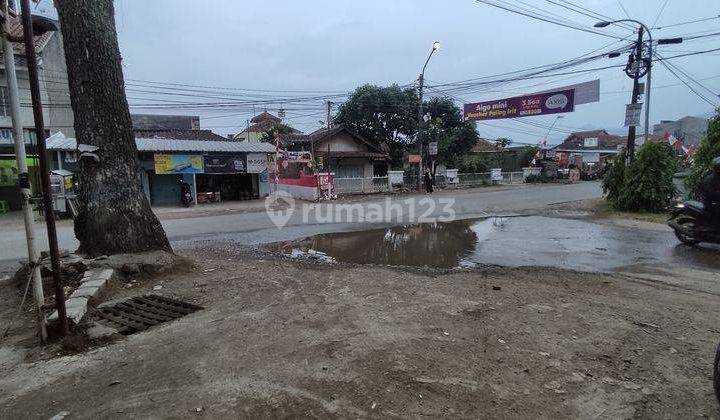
column 114, row 215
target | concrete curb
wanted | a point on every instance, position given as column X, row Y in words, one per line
column 92, row 283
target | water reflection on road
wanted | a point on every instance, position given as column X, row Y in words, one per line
column 519, row 241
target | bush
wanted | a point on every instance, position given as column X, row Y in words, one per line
column 709, row 149
column 614, row 178
column 647, row 183
column 542, row 178
column 472, row 164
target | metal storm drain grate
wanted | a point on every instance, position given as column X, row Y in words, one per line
column 142, row 312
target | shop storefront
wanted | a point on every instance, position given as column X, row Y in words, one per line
column 212, row 177
column 214, row 169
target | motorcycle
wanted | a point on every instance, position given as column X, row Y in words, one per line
column 692, row 224
column 716, row 374
column 186, row 195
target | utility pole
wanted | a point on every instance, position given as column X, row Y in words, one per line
column 421, row 81
column 44, row 167
column 421, row 86
column 636, row 92
column 23, row 176
column 330, row 104
column 647, row 88
column 327, row 157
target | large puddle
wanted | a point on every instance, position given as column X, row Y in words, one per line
column 514, row 241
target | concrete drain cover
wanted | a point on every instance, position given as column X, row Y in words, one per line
column 142, row 312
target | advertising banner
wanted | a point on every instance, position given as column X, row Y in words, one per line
column 585, row 92
column 256, row 163
column 178, row 164
column 225, row 164
column 9, row 171
column 522, row 106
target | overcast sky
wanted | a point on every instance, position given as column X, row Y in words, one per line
column 337, row 45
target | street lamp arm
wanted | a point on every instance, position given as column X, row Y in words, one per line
column 604, row 24
column 428, row 60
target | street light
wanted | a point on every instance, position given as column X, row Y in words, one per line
column 665, row 41
column 649, row 70
column 421, row 81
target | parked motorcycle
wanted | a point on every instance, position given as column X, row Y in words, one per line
column 692, row 224
column 716, row 374
column 186, row 194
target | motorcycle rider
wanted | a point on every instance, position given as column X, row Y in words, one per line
column 710, row 193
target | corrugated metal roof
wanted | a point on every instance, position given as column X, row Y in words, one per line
column 166, row 145
column 60, row 142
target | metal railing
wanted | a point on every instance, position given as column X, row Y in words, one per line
column 379, row 184
column 370, row 185
column 485, row 178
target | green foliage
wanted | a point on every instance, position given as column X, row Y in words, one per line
column 455, row 137
column 614, row 178
column 383, row 115
column 389, row 115
column 269, row 135
column 709, row 149
column 542, row 178
column 503, row 142
column 647, row 183
column 472, row 164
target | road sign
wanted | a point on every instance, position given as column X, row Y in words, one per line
column 632, row 114
column 433, row 148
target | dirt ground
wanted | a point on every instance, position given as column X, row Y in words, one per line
column 292, row 339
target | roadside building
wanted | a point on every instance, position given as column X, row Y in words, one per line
column 217, row 169
column 689, row 130
column 55, row 96
column 165, row 122
column 509, row 159
column 486, row 146
column 258, row 126
column 348, row 154
column 588, row 148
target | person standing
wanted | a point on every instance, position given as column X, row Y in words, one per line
column 429, row 181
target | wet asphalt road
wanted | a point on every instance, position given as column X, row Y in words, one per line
column 568, row 243
column 257, row 228
column 527, row 241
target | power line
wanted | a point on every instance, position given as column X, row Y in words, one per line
column 687, row 22
column 619, row 2
column 589, row 13
column 599, row 15
column 691, row 78
column 554, row 22
column 662, row 9
column 698, row 94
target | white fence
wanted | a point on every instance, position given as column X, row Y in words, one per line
column 379, row 184
column 485, row 178
column 361, row 185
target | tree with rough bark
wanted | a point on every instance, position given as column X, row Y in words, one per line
column 114, row 215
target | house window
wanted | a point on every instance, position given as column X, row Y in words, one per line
column 4, row 102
